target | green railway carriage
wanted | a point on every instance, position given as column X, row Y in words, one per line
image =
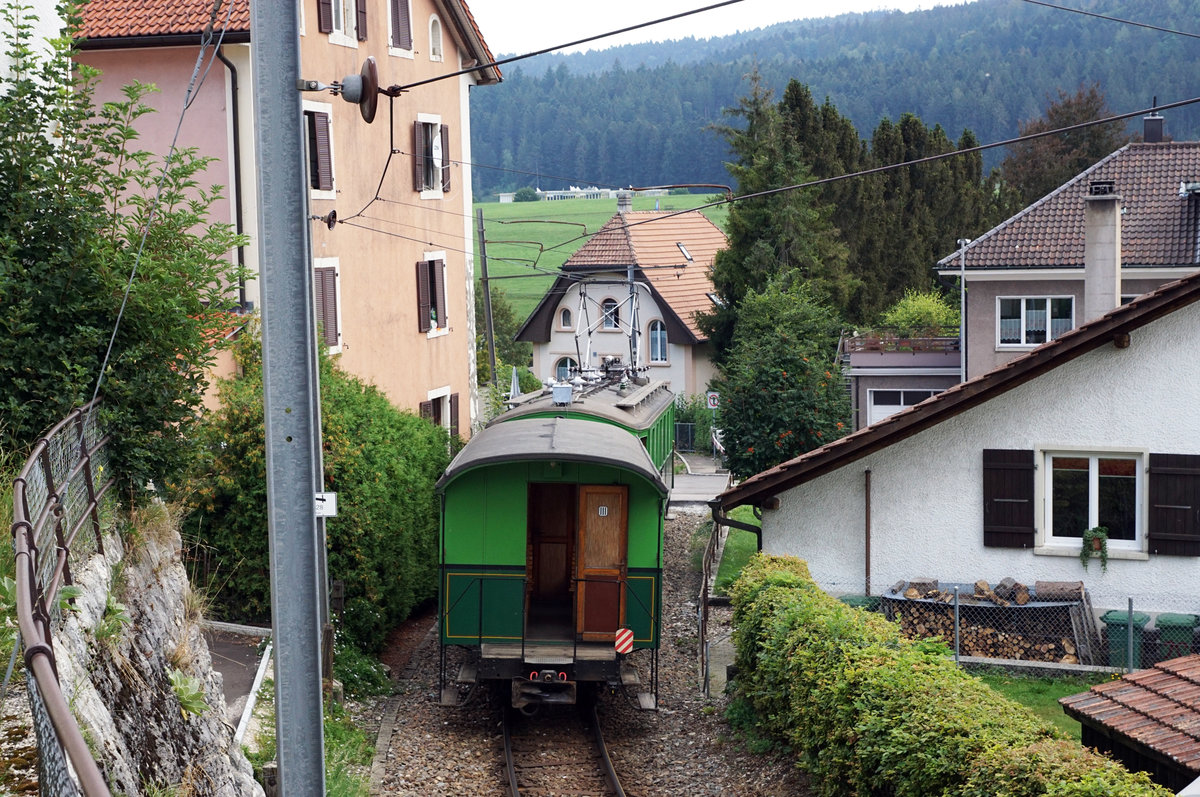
column 551, row 544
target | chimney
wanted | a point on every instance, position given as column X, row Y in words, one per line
column 1101, row 250
column 624, row 202
column 1152, row 128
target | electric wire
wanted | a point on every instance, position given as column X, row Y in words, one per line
column 1135, row 23
column 206, row 39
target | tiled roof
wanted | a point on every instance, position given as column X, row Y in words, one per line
column 1158, row 708
column 1159, row 227
column 648, row 240
column 103, row 19
column 945, row 405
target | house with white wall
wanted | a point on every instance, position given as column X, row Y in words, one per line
column 998, row 477
column 392, row 232
column 632, row 292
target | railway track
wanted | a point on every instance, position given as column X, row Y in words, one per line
column 559, row 753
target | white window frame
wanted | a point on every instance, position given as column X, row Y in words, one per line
column 874, row 416
column 1140, row 458
column 666, row 346
column 437, row 45
column 610, row 320
column 566, row 319
column 441, row 395
column 558, row 361
column 400, row 52
column 327, row 109
column 335, row 264
column 438, row 157
column 443, row 327
column 345, row 23
column 1024, row 345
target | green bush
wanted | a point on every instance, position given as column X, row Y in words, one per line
column 381, row 461
column 525, row 194
column 922, row 312
column 694, row 410
column 869, row 712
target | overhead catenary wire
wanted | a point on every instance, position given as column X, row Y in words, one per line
column 1134, row 23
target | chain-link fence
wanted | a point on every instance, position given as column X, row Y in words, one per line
column 1048, row 621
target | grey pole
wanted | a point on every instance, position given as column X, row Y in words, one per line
column 487, row 300
column 962, row 309
column 291, row 396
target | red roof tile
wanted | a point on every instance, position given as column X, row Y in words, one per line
column 1158, row 224
column 103, row 19
column 1159, row 708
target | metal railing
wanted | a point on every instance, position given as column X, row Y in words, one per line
column 56, row 516
column 886, row 339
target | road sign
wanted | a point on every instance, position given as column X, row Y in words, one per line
column 714, row 399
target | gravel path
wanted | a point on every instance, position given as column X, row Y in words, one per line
column 684, row 748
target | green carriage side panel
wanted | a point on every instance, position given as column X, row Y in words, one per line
column 485, row 517
column 482, row 604
column 643, row 609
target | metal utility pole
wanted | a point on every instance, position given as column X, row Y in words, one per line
column 487, row 298
column 962, row 309
column 291, row 398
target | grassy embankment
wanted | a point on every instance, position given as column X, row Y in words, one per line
column 527, row 242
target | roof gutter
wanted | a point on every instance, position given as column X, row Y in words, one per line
column 158, row 40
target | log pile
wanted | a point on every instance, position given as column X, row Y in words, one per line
column 986, row 630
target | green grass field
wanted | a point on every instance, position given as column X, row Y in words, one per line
column 527, row 242
column 1041, row 695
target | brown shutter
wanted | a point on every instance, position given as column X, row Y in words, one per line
column 423, row 305
column 1174, row 517
column 325, row 290
column 439, row 287
column 426, row 410
column 418, row 156
column 360, row 19
column 320, row 161
column 1008, row 498
column 401, row 29
column 445, row 133
column 325, row 16
column 454, row 415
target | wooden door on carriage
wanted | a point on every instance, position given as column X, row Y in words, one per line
column 601, row 563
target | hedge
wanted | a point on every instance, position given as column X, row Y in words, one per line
column 871, row 713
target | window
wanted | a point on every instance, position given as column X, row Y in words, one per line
column 657, row 334
column 882, row 403
column 563, row 368
column 319, row 146
column 344, row 20
column 431, row 155
column 431, row 295
column 612, row 314
column 441, row 410
column 400, row 25
column 435, row 39
column 327, row 301
column 564, row 318
column 1087, row 490
column 1030, row 321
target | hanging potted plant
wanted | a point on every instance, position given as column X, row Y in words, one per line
column 1095, row 543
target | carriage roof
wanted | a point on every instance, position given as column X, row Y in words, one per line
column 558, row 439
column 634, row 406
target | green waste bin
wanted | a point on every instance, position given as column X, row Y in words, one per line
column 868, row 602
column 1175, row 633
column 1117, row 624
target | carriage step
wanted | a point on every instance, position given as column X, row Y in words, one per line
column 450, row 696
column 629, row 675
column 466, row 674
column 647, row 701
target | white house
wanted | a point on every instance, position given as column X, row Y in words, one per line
column 594, row 310
column 998, row 476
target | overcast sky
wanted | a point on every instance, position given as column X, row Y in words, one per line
column 520, row 26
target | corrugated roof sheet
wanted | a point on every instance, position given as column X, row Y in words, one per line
column 649, row 240
column 104, row 19
column 1159, row 226
column 1158, row 708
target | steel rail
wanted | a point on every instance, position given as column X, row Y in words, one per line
column 593, row 720
column 609, row 771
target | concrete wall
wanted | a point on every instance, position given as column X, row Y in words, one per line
column 926, row 491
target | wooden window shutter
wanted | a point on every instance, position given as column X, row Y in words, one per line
column 423, row 304
column 418, row 156
column 320, row 159
column 439, row 287
column 454, row 415
column 360, row 19
column 401, row 29
column 426, row 410
column 325, row 16
column 1008, row 498
column 445, row 133
column 1173, row 526
column 325, row 289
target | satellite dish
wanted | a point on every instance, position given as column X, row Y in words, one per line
column 363, row 89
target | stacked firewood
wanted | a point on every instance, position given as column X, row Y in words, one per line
column 1037, row 636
